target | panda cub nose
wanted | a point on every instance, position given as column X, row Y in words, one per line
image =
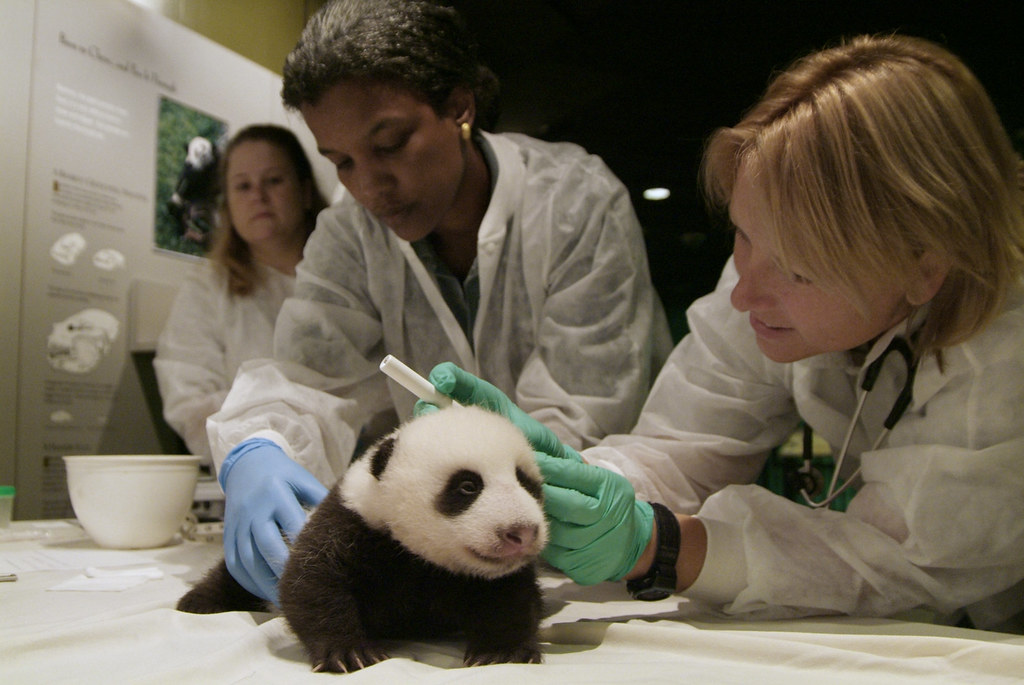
column 517, row 539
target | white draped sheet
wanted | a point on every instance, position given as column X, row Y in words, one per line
column 590, row 635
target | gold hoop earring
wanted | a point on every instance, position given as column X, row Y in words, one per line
column 467, row 131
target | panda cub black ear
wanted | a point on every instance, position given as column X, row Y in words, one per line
column 530, row 485
column 381, row 455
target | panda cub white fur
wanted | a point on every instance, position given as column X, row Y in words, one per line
column 433, row 531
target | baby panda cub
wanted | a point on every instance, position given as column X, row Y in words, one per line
column 433, row 531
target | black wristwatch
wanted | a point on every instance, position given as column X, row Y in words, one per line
column 660, row 581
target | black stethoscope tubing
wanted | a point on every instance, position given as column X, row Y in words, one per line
column 900, row 346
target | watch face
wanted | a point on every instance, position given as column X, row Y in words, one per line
column 651, row 587
column 651, row 594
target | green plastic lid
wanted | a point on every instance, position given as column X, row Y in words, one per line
column 6, row 491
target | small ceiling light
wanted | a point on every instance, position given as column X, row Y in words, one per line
column 656, row 193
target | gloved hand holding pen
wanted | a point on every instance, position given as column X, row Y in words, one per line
column 465, row 388
column 598, row 529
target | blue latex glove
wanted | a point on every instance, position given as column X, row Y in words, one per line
column 264, row 496
column 598, row 529
column 465, row 388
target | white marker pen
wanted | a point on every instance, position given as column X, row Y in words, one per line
column 413, row 382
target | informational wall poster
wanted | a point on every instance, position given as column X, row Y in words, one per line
column 128, row 113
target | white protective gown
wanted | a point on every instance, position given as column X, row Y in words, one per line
column 938, row 521
column 568, row 323
column 207, row 336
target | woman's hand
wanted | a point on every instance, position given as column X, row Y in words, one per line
column 265, row 497
column 598, row 529
column 465, row 388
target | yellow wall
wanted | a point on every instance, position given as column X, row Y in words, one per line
column 264, row 31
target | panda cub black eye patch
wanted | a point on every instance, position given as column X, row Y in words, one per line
column 462, row 489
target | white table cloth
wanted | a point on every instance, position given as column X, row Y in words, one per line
column 590, row 635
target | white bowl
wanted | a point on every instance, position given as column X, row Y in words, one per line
column 131, row 501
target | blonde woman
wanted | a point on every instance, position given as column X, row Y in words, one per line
column 876, row 204
column 224, row 313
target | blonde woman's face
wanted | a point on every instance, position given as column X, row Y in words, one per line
column 792, row 317
column 266, row 199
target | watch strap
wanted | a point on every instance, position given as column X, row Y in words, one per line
column 660, row 581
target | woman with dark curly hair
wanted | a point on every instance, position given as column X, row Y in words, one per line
column 520, row 259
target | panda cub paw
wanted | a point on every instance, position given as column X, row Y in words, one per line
column 327, row 659
column 218, row 592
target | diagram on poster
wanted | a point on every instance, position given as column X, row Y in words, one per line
column 80, row 342
column 65, row 250
column 108, row 259
column 188, row 151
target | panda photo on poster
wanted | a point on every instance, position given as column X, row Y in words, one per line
column 188, row 150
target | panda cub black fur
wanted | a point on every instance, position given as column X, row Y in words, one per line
column 433, row 531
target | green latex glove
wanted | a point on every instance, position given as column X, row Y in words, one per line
column 598, row 529
column 465, row 388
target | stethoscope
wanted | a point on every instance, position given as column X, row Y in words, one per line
column 901, row 347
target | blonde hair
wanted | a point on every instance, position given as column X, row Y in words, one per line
column 228, row 249
column 872, row 154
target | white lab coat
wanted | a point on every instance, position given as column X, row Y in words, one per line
column 938, row 521
column 207, row 336
column 568, row 323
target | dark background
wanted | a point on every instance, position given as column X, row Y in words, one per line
column 643, row 83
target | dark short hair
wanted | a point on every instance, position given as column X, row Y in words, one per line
column 417, row 45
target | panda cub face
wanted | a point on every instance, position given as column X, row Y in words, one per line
column 458, row 487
